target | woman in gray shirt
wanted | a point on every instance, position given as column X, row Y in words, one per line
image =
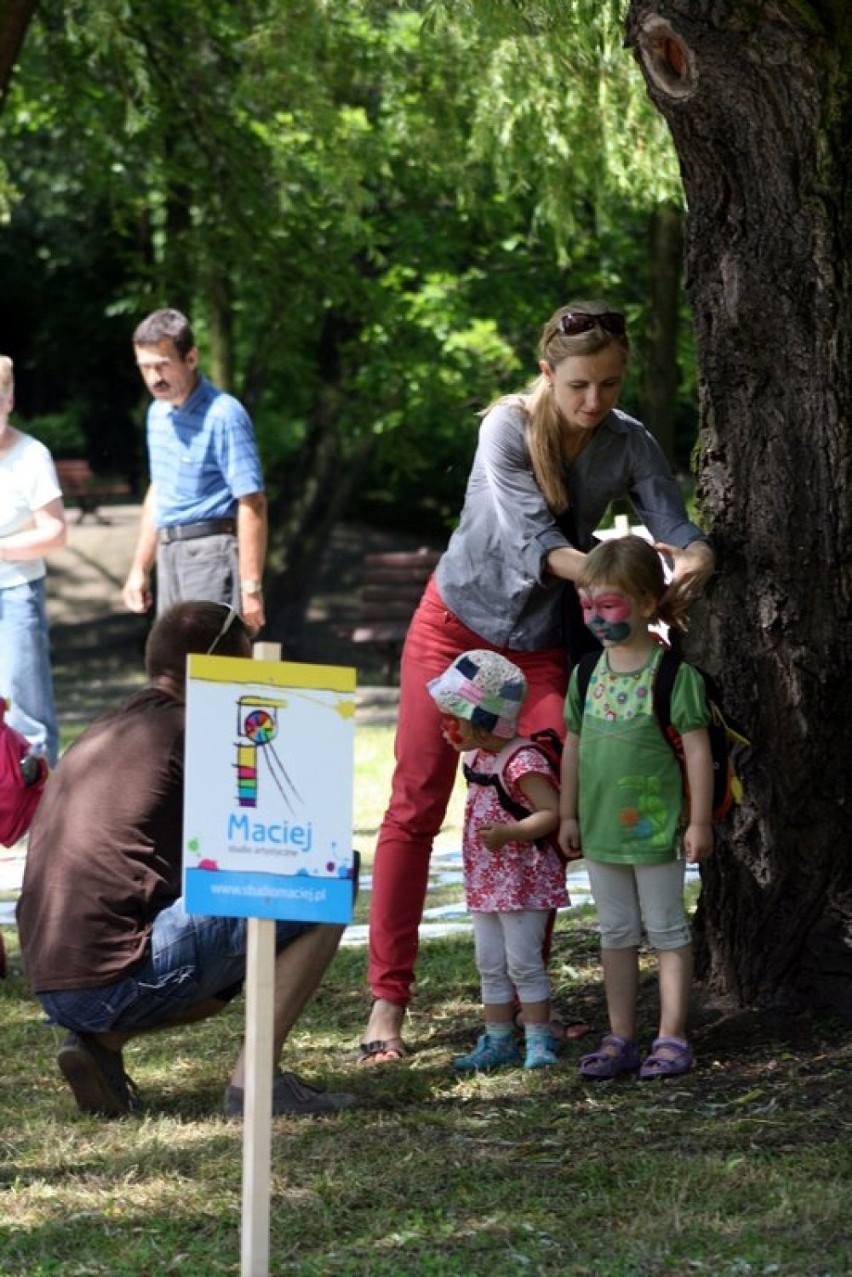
column 548, row 464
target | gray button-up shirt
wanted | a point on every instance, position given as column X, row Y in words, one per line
column 494, row 574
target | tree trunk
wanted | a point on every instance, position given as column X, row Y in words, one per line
column 221, row 333
column 310, row 499
column 302, row 527
column 758, row 97
column 15, row 17
column 665, row 233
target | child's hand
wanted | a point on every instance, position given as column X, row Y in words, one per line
column 697, row 843
column 495, row 837
column 569, row 835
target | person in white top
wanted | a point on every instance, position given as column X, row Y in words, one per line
column 32, row 523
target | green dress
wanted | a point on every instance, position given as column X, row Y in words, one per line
column 631, row 801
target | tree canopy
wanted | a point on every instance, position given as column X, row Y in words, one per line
column 326, row 185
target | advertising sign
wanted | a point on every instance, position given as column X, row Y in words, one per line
column 268, row 806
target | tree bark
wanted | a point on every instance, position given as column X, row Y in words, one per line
column 758, row 97
column 15, row 17
column 311, row 498
column 221, row 333
column 665, row 234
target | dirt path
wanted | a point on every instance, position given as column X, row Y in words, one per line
column 97, row 644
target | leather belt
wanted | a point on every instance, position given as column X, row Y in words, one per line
column 191, row 531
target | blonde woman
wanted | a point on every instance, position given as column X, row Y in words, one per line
column 549, row 462
column 32, row 523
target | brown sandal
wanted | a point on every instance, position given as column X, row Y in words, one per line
column 382, row 1051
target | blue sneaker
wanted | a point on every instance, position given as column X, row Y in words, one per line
column 541, row 1052
column 489, row 1053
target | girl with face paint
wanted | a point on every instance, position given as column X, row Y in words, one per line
column 622, row 802
column 607, row 613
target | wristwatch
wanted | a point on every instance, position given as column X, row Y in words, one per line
column 251, row 587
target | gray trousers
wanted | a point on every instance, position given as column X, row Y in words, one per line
column 205, row 568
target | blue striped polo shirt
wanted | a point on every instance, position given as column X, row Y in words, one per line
column 202, row 456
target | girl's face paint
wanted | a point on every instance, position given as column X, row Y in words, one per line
column 611, row 615
column 456, row 732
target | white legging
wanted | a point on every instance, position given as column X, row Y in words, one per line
column 509, row 955
column 628, row 895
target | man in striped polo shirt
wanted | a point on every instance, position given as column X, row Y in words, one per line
column 204, row 520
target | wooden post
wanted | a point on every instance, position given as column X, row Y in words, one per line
column 257, row 1110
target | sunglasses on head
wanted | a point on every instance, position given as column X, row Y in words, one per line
column 226, row 625
column 574, row 322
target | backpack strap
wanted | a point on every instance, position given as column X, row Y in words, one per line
column 504, row 758
column 585, row 667
column 664, row 683
column 496, row 778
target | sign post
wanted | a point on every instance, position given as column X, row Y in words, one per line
column 267, row 836
column 257, row 1108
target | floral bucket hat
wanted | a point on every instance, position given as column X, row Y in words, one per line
column 483, row 688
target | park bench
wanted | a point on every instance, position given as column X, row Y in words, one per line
column 393, row 583
column 83, row 488
column 392, row 586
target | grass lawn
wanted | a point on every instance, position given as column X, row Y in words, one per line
column 742, row 1168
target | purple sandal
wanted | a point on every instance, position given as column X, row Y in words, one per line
column 670, row 1057
column 614, row 1056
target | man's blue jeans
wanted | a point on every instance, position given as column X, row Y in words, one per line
column 191, row 959
column 25, row 677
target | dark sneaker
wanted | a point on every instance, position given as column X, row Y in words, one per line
column 96, row 1076
column 291, row 1097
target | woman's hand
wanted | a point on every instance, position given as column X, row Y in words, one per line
column 691, row 570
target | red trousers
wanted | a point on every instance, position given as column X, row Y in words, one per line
column 423, row 782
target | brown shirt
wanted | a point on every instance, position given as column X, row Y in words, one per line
column 104, row 854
